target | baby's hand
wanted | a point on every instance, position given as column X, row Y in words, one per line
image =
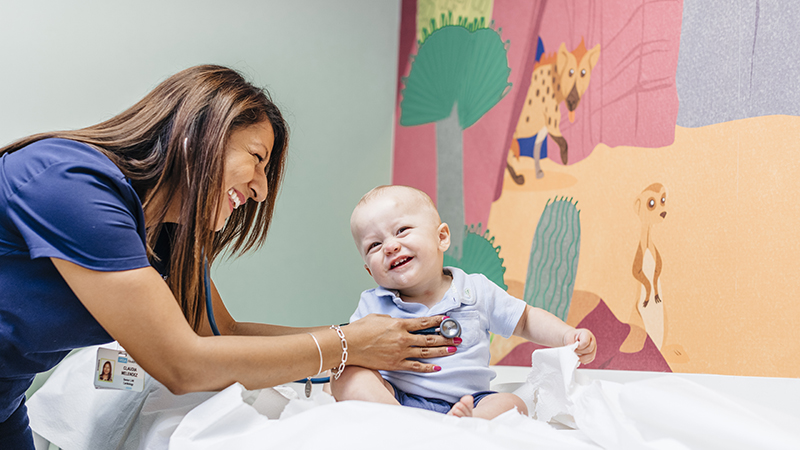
column 587, row 346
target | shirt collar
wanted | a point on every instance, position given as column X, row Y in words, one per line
column 460, row 293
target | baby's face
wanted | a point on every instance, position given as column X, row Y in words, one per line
column 401, row 241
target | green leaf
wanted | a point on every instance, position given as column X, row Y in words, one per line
column 455, row 65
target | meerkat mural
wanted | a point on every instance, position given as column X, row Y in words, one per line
column 559, row 77
column 650, row 206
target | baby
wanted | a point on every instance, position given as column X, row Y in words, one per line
column 402, row 240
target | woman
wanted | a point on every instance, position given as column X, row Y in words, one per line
column 190, row 171
column 105, row 375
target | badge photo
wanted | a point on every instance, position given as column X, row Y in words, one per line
column 115, row 369
column 105, row 371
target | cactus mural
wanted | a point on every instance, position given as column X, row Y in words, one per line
column 554, row 258
column 480, row 256
column 459, row 73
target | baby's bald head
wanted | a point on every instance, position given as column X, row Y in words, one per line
column 401, row 195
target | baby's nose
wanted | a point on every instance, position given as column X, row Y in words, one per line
column 391, row 246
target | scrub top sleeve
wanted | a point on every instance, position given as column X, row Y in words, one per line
column 82, row 214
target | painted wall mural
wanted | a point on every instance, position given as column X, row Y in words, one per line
column 629, row 166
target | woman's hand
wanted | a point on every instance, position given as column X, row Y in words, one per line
column 383, row 343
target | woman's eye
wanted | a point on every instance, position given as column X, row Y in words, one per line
column 258, row 157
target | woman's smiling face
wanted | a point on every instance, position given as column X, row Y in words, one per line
column 247, row 155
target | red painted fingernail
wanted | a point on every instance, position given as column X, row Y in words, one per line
column 445, row 317
column 457, row 340
column 437, row 368
column 451, row 349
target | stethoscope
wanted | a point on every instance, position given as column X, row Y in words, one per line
column 449, row 328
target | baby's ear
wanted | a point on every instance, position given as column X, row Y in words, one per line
column 368, row 271
column 444, row 237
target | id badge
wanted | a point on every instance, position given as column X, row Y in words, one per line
column 115, row 369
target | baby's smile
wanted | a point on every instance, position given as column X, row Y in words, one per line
column 400, row 262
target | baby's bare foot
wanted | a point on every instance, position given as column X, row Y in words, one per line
column 463, row 408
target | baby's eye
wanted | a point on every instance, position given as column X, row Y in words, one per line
column 401, row 230
column 373, row 246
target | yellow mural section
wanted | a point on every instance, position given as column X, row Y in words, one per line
column 727, row 241
column 428, row 10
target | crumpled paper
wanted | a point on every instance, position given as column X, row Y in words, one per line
column 663, row 412
column 547, row 388
column 225, row 422
column 69, row 412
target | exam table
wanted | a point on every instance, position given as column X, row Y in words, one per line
column 570, row 409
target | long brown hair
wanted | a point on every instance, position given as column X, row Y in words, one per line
column 173, row 140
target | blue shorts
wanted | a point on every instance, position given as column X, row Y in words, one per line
column 433, row 404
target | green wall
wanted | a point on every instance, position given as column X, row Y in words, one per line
column 330, row 66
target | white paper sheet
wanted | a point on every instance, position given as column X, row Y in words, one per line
column 70, row 413
column 225, row 422
column 662, row 412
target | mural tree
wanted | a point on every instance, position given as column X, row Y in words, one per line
column 459, row 73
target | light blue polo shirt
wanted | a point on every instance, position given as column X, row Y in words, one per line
column 479, row 305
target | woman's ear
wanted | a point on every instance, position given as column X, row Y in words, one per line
column 444, row 237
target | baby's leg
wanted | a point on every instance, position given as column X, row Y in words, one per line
column 493, row 405
column 358, row 383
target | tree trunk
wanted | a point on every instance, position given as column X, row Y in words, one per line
column 450, row 179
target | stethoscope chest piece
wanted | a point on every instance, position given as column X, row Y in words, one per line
column 450, row 328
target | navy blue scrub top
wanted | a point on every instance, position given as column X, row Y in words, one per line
column 62, row 199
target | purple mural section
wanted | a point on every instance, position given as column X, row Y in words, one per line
column 610, row 334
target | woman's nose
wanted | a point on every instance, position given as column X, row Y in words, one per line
column 258, row 187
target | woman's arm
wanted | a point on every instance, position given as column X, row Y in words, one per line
column 138, row 310
column 542, row 327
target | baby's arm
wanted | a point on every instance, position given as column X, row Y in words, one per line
column 542, row 327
